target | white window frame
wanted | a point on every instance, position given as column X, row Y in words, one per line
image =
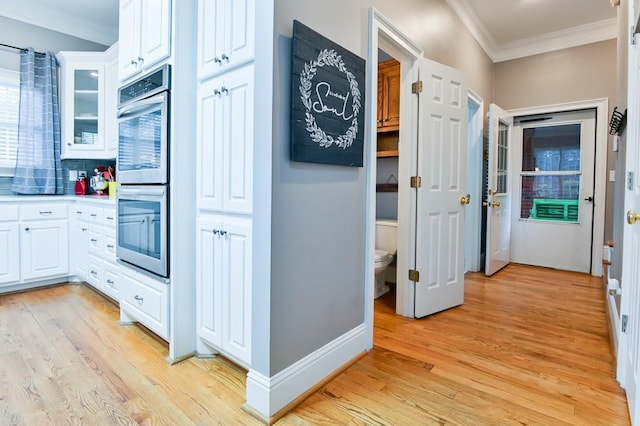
column 8, row 78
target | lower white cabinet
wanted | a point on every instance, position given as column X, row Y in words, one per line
column 44, row 241
column 223, row 285
column 93, row 247
column 145, row 300
column 9, row 244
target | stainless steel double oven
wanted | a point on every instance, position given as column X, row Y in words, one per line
column 143, row 173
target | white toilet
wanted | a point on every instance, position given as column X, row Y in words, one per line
column 386, row 247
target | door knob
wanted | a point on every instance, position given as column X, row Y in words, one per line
column 632, row 217
column 465, row 200
column 491, row 203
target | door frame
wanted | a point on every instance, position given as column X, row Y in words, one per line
column 382, row 33
column 602, row 110
column 475, row 147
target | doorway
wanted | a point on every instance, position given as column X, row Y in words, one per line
column 553, row 187
column 550, row 203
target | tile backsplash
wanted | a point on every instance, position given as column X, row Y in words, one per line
column 69, row 186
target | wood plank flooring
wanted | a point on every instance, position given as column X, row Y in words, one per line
column 529, row 346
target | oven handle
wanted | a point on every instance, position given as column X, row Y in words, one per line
column 150, row 192
column 143, row 106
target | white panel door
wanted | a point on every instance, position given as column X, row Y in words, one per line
column 226, row 35
column 225, row 142
column 629, row 349
column 442, row 151
column 208, row 280
column 44, row 249
column 155, row 40
column 129, row 36
column 9, row 250
column 498, row 202
column 236, row 288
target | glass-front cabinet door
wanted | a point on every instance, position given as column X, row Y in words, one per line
column 82, row 90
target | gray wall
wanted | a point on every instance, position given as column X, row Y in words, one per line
column 576, row 74
column 20, row 34
column 318, row 226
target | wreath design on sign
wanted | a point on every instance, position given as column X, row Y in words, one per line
column 328, row 58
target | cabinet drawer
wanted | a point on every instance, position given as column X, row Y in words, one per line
column 95, row 241
column 109, row 240
column 146, row 300
column 94, row 275
column 109, row 218
column 78, row 212
column 43, row 211
column 8, row 213
column 94, row 214
column 110, row 281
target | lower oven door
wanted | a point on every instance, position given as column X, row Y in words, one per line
column 142, row 231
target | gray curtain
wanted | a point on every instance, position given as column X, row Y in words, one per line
column 38, row 166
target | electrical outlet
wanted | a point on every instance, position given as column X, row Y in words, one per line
column 82, row 173
column 73, row 175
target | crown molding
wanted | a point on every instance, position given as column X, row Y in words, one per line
column 570, row 37
column 56, row 21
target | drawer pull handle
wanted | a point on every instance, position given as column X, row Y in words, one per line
column 94, row 272
column 78, row 212
column 110, row 282
column 48, row 212
column 84, row 229
column 110, row 246
column 139, row 299
column 109, row 218
column 93, row 240
column 93, row 215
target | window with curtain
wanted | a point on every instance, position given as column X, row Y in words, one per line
column 9, row 108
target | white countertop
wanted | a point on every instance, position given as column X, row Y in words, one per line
column 97, row 199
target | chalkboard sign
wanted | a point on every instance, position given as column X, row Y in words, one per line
column 327, row 105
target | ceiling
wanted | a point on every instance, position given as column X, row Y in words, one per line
column 94, row 20
column 510, row 29
column 506, row 29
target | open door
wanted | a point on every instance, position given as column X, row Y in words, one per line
column 628, row 361
column 498, row 202
column 441, row 196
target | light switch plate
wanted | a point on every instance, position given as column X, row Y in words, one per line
column 612, row 175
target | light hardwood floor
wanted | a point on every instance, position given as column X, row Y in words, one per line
column 529, row 346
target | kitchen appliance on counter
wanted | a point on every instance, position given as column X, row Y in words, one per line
column 81, row 186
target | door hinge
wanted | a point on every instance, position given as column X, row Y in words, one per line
column 624, row 323
column 416, row 181
column 414, row 275
column 416, row 87
column 632, row 36
column 630, row 181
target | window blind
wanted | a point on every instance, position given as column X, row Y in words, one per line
column 9, row 109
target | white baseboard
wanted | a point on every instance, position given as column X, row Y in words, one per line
column 268, row 395
column 614, row 321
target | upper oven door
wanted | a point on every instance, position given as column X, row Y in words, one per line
column 143, row 139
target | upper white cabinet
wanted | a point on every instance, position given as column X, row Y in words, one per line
column 226, row 35
column 225, row 142
column 88, row 93
column 82, row 104
column 144, row 34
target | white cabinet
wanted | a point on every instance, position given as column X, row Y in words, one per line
column 82, row 104
column 225, row 142
column 223, row 285
column 226, row 35
column 145, row 35
column 88, row 99
column 111, row 102
column 146, row 300
column 93, row 249
column 9, row 245
column 44, row 241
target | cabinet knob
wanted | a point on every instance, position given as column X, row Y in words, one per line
column 223, row 233
column 140, row 59
column 224, row 89
column 216, row 92
column 133, row 62
column 225, row 57
column 27, row 229
column 215, row 231
column 69, row 144
column 216, row 60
